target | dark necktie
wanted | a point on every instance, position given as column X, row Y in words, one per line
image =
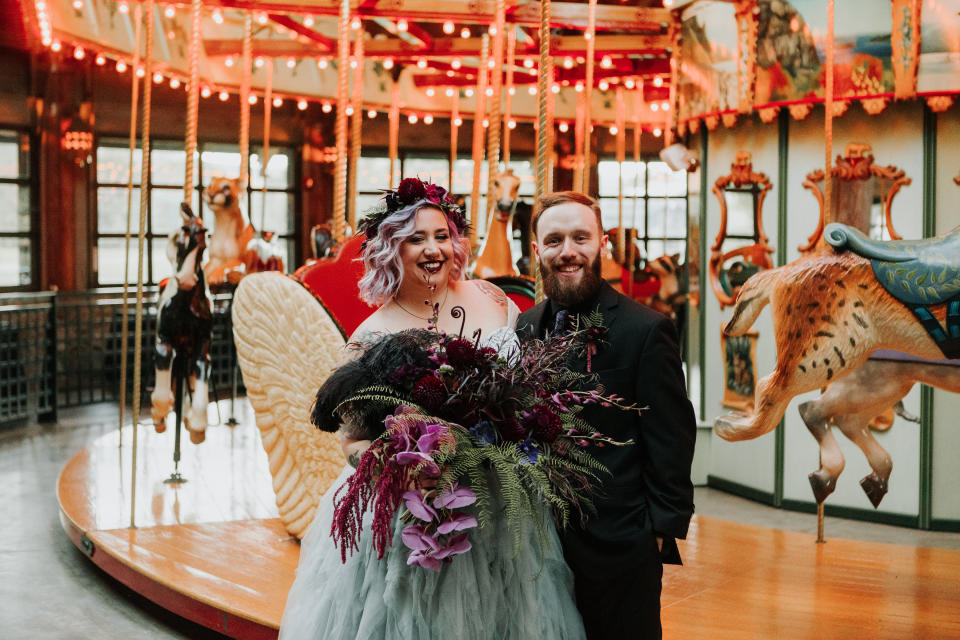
column 560, row 322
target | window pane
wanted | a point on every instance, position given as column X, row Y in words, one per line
column 373, row 171
column 165, row 210
column 14, row 154
column 632, row 213
column 169, row 166
column 14, row 262
column 219, row 163
column 110, row 268
column 162, row 267
column 112, row 210
column 365, row 202
column 664, row 182
column 279, row 170
column 279, row 212
column 435, row 170
column 14, row 208
column 609, row 176
column 113, row 164
column 463, row 177
column 668, row 218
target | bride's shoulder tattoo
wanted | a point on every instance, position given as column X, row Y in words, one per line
column 493, row 292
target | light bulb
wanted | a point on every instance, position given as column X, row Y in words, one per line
column 428, row 119
column 388, row 63
column 512, row 124
column 489, row 91
column 353, row 63
column 100, row 60
column 277, row 102
column 606, row 62
column 449, row 92
column 555, row 88
column 528, row 63
column 532, row 90
column 228, row 62
column 217, row 16
column 372, row 113
column 512, row 91
column 78, row 4
column 614, row 130
column 291, row 63
column 121, row 66
column 258, row 62
column 141, row 72
column 355, row 23
column 252, row 99
column 55, row 45
column 123, row 8
column 205, row 92
column 563, row 127
column 349, row 110
column 431, row 91
column 603, row 85
column 170, row 11
column 157, row 78
column 568, row 63
column 412, row 118
column 457, row 122
column 486, row 123
column 448, row 27
column 322, row 63
column 657, row 81
column 464, row 33
column 402, row 24
column 224, row 96
column 174, row 83
column 79, row 53
column 657, row 132
column 629, row 83
column 422, row 63
column 654, row 106
column 302, row 104
column 307, row 22
column 455, row 63
column 261, row 18
column 468, row 92
column 326, row 107
column 665, row 106
column 578, row 87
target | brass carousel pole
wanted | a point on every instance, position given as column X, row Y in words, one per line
column 827, row 183
column 508, row 100
column 267, row 111
column 578, row 144
column 394, row 130
column 493, row 117
column 343, row 80
column 454, row 135
column 355, row 131
column 245, row 101
column 478, row 133
column 141, row 240
column 125, row 330
column 543, row 121
column 590, row 36
column 637, row 131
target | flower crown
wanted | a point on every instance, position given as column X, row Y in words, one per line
column 409, row 192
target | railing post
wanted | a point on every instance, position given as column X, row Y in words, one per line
column 50, row 363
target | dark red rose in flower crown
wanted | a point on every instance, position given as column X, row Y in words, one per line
column 435, row 193
column 429, row 393
column 489, row 353
column 461, row 354
column 411, row 190
column 543, row 423
column 511, row 430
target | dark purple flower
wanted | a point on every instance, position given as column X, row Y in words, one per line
column 529, row 448
column 425, row 558
column 423, row 461
column 411, row 190
column 461, row 354
column 512, row 431
column 543, row 423
column 429, row 393
column 456, row 546
column 484, row 432
column 416, row 538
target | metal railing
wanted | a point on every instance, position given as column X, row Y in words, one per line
column 64, row 350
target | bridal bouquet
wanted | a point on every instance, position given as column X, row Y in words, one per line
column 445, row 416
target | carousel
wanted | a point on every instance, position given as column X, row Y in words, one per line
column 685, row 119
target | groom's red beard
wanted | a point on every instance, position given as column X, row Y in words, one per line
column 571, row 294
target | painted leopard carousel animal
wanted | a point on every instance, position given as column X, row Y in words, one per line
column 831, row 311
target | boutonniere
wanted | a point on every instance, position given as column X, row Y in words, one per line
column 591, row 334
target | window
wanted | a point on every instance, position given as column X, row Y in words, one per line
column 167, row 170
column 16, row 229
column 654, row 203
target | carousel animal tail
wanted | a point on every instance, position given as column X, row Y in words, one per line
column 754, row 296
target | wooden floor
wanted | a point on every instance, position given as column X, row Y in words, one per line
column 214, row 551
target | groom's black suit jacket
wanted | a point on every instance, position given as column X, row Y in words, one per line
column 649, row 491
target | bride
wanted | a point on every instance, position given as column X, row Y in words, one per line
column 414, row 258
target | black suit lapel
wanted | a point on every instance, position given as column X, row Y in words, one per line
column 533, row 322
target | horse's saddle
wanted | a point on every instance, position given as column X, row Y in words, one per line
column 916, row 272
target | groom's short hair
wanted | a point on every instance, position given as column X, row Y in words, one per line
column 549, row 200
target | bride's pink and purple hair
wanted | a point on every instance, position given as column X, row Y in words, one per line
column 388, row 228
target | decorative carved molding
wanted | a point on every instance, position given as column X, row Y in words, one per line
column 711, row 121
column 855, row 164
column 747, row 20
column 694, row 125
column 874, row 106
column 840, row 107
column 768, row 114
column 729, row 119
column 905, row 41
column 939, row 104
column 741, row 176
column 800, row 110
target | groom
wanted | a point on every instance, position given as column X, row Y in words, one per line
column 647, row 501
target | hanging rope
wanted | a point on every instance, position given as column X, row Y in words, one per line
column 245, row 99
column 141, row 239
column 454, row 135
column 134, row 105
column 193, row 99
column 621, row 122
column 493, row 129
column 543, row 135
column 265, row 160
column 343, row 80
column 394, row 134
column 355, row 123
column 591, row 36
column 478, row 133
column 508, row 101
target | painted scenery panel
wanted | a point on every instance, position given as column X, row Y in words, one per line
column 939, row 68
column 792, row 50
column 708, row 68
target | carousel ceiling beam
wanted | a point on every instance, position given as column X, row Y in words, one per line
column 560, row 46
column 464, row 77
column 563, row 14
column 322, row 41
column 263, row 48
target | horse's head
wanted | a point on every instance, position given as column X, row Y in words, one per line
column 506, row 186
column 222, row 193
column 192, row 235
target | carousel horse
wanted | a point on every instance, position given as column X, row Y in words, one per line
column 230, row 257
column 322, row 242
column 184, row 324
column 832, row 310
column 495, row 258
